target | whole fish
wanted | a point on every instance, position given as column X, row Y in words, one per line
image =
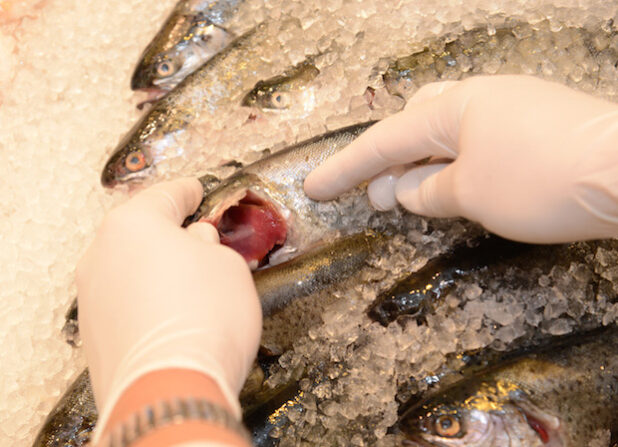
column 563, row 397
column 513, row 48
column 174, row 123
column 262, row 212
column 73, row 418
column 488, row 261
column 191, row 34
column 291, row 89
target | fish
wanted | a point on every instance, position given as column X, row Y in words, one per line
column 73, row 418
column 174, row 124
column 293, row 88
column 559, row 397
column 511, row 48
column 262, row 212
column 490, row 259
column 192, row 33
column 71, row 422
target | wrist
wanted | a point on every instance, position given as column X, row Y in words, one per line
column 167, row 386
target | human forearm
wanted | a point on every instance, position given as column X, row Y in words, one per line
column 167, row 385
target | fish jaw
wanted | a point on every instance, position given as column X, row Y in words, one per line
column 251, row 223
column 152, row 95
column 190, row 51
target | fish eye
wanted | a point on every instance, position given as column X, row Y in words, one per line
column 447, row 425
column 280, row 100
column 135, row 161
column 165, row 68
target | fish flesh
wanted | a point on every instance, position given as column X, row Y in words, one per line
column 175, row 123
column 73, row 418
column 262, row 212
column 489, row 260
column 508, row 49
column 192, row 33
column 562, row 397
column 294, row 88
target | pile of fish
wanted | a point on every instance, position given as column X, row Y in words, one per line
column 351, row 295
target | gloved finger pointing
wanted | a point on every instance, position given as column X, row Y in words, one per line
column 429, row 91
column 428, row 191
column 204, row 231
column 175, row 199
column 427, row 129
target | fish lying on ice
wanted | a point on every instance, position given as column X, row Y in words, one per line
column 74, row 416
column 174, row 124
column 193, row 33
column 262, row 212
column 513, row 48
column 563, row 397
column 71, row 422
column 486, row 262
column 293, row 88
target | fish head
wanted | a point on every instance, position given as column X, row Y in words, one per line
column 487, row 414
column 246, row 217
column 130, row 163
column 185, row 42
column 268, row 96
column 293, row 89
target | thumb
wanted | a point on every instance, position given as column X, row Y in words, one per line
column 204, row 231
column 428, row 190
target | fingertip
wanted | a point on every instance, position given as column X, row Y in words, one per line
column 427, row 191
column 204, row 231
column 381, row 190
column 431, row 90
column 176, row 199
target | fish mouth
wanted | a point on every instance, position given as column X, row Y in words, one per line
column 251, row 225
column 153, row 94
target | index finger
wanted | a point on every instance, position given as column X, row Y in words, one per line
column 426, row 129
column 174, row 199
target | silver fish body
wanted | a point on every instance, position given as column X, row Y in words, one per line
column 563, row 397
column 512, row 48
column 276, row 183
column 192, row 33
column 172, row 126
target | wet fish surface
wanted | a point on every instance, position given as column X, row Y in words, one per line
column 172, row 125
column 289, row 89
column 487, row 261
column 561, row 397
column 506, row 50
column 71, row 422
column 192, row 33
column 74, row 417
column 263, row 213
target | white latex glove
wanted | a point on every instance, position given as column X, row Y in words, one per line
column 533, row 161
column 153, row 296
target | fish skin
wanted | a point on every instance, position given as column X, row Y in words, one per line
column 72, row 420
column 459, row 57
column 571, row 392
column 314, row 270
column 489, row 259
column 170, row 127
column 279, row 179
column 74, row 416
column 191, row 34
column 284, row 91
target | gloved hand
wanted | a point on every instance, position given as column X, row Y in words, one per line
column 531, row 160
column 153, row 296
